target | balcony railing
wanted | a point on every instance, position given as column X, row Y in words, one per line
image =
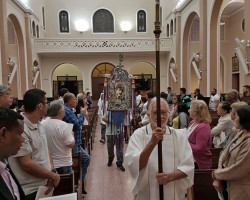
column 100, row 45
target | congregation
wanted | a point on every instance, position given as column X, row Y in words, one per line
column 45, row 136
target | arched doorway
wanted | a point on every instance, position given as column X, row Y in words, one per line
column 69, row 76
column 98, row 75
column 146, row 76
column 15, row 51
column 190, row 46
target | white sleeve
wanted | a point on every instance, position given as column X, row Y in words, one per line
column 67, row 135
column 186, row 164
column 132, row 156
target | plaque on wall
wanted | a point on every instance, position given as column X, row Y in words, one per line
column 235, row 64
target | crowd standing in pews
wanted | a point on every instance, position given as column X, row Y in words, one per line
column 235, row 160
column 32, row 165
column 11, row 130
column 30, row 160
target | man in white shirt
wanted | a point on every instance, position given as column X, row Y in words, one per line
column 142, row 158
column 138, row 98
column 214, row 100
column 60, row 137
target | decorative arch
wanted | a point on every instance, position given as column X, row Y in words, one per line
column 214, row 43
column 195, row 29
column 20, row 82
column 186, row 48
column 146, row 73
column 67, row 75
column 103, row 21
column 98, row 75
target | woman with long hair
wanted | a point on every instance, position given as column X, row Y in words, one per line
column 199, row 134
column 182, row 119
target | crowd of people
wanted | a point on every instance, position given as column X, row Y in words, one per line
column 41, row 142
column 231, row 134
column 38, row 132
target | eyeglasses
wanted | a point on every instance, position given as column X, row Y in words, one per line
column 8, row 93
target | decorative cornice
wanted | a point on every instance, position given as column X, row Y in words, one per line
column 99, row 45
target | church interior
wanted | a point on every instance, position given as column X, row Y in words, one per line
column 54, row 44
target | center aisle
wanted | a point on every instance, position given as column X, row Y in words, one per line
column 103, row 182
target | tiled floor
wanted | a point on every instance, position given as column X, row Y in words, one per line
column 103, row 182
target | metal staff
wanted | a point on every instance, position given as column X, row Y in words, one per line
column 157, row 33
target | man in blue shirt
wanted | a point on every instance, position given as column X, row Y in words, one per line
column 70, row 103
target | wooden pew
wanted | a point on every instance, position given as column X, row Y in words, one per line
column 203, row 188
column 66, row 185
column 77, row 167
column 215, row 157
column 215, row 117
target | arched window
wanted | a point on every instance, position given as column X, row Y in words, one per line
column 171, row 27
column 243, row 25
column 11, row 33
column 33, row 29
column 167, row 30
column 37, row 31
column 222, row 29
column 175, row 25
column 103, row 21
column 102, row 69
column 141, row 21
column 43, row 17
column 195, row 30
column 64, row 21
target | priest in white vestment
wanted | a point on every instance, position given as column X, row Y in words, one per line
column 142, row 159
